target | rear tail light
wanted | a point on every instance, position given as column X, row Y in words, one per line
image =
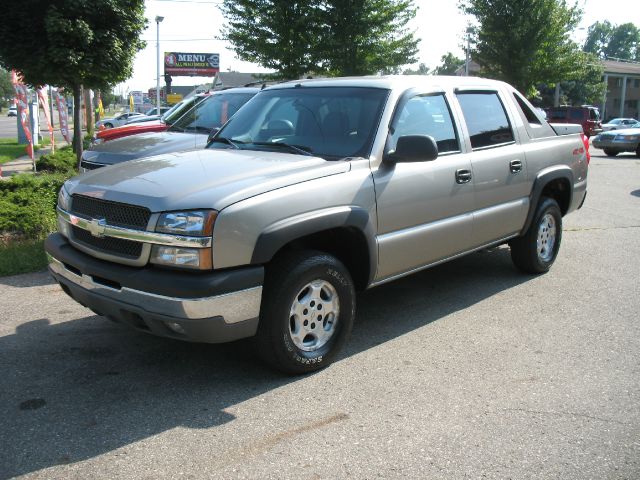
column 585, row 142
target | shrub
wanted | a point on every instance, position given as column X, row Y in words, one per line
column 63, row 161
column 27, row 205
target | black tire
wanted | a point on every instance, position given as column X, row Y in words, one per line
column 287, row 279
column 610, row 153
column 531, row 252
column 638, row 151
column 108, row 125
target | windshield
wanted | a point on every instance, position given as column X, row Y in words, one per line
column 179, row 109
column 212, row 112
column 330, row 122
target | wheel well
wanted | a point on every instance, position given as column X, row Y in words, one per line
column 560, row 190
column 347, row 244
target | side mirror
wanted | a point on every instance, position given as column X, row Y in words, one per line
column 212, row 134
column 414, row 148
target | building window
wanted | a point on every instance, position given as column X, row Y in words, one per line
column 618, row 82
column 616, row 103
column 636, row 83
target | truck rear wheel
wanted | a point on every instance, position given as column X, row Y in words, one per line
column 537, row 249
column 610, row 153
column 307, row 312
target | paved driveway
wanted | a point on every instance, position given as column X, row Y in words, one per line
column 467, row 370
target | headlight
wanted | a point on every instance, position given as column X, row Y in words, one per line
column 64, row 199
column 64, row 202
column 192, row 223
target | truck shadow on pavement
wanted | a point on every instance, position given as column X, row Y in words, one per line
column 79, row 389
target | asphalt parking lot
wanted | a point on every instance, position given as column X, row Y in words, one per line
column 467, row 370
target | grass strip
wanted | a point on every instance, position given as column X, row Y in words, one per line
column 22, row 257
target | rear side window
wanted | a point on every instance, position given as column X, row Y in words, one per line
column 575, row 115
column 486, row 119
column 528, row 113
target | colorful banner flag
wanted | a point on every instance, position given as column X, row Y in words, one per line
column 44, row 103
column 100, row 109
column 62, row 115
column 23, row 110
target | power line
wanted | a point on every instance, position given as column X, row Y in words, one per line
column 212, row 2
column 178, row 39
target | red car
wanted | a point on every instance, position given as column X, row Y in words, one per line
column 159, row 125
column 586, row 115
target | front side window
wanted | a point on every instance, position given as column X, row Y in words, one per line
column 486, row 119
column 426, row 115
column 330, row 122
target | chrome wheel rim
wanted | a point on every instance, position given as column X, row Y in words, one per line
column 546, row 237
column 313, row 316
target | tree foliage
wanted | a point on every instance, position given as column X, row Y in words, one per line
column 613, row 41
column 6, row 89
column 335, row 37
column 421, row 70
column 525, row 42
column 71, row 43
column 449, row 64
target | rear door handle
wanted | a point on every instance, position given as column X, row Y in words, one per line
column 463, row 176
column 515, row 166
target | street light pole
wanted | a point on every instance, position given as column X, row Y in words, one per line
column 158, row 20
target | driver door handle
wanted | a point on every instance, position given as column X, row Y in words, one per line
column 463, row 175
column 515, row 166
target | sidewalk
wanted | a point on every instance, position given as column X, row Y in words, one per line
column 22, row 164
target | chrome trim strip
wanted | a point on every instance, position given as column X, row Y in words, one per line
column 433, row 264
column 143, row 236
column 234, row 307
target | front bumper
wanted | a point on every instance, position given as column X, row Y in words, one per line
column 213, row 307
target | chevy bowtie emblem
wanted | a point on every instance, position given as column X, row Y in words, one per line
column 97, row 227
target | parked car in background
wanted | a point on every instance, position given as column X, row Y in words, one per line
column 154, row 111
column 586, row 115
column 142, row 125
column 13, row 111
column 619, row 141
column 618, row 123
column 189, row 132
column 117, row 120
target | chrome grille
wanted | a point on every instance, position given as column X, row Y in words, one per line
column 109, row 245
column 115, row 213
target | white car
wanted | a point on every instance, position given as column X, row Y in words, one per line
column 13, row 111
column 618, row 123
column 117, row 120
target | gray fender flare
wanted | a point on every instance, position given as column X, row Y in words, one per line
column 542, row 179
column 285, row 231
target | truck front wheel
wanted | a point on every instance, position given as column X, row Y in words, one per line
column 307, row 312
column 536, row 250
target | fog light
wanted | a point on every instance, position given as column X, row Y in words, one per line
column 181, row 257
column 175, row 327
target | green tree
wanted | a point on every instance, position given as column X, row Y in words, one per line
column 6, row 89
column 71, row 44
column 363, row 37
column 525, row 42
column 336, row 37
column 421, row 70
column 613, row 41
column 449, row 64
column 277, row 34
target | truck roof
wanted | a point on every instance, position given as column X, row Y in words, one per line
column 394, row 81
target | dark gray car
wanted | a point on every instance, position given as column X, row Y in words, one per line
column 190, row 132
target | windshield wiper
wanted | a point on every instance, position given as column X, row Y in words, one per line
column 228, row 141
column 302, row 149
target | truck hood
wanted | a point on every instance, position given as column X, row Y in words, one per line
column 143, row 145
column 201, row 179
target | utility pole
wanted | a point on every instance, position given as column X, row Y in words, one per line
column 158, row 20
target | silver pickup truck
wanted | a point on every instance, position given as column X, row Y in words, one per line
column 314, row 190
